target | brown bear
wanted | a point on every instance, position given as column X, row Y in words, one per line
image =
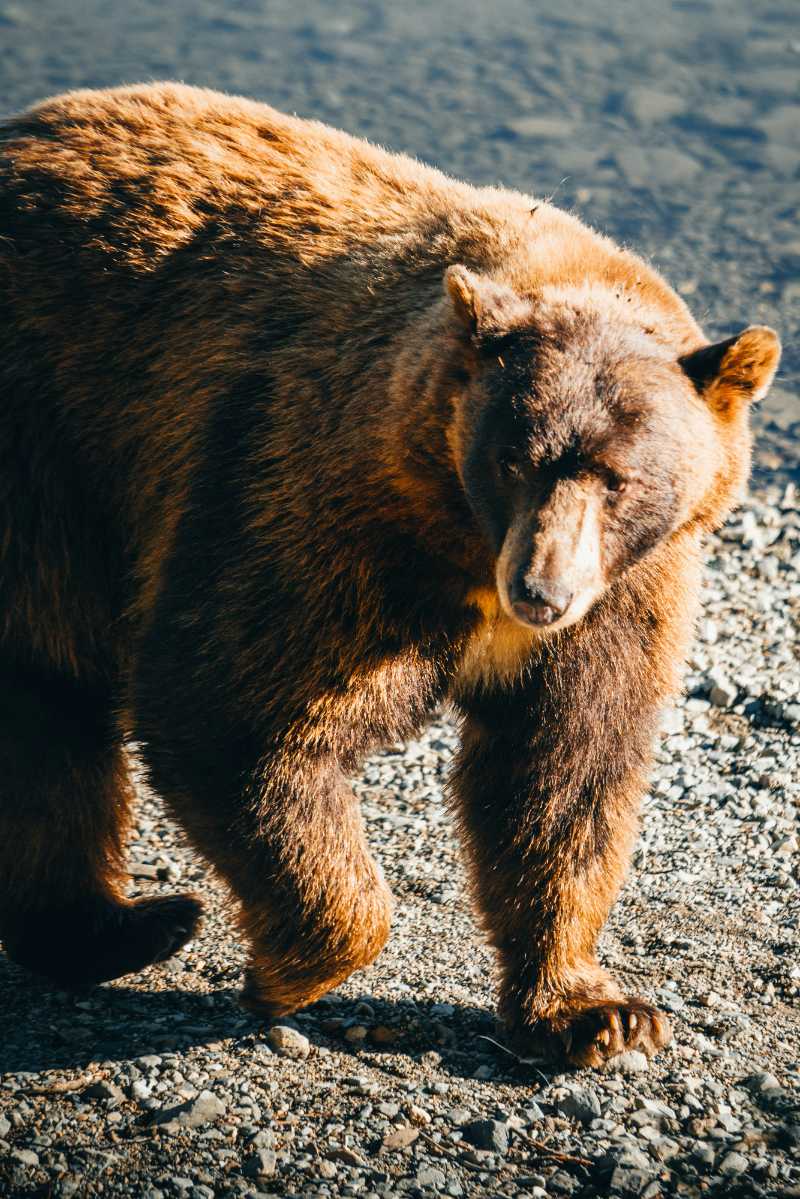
column 299, row 440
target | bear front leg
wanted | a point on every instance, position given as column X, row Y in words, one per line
column 547, row 787
column 322, row 910
column 286, row 836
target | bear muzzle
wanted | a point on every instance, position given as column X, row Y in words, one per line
column 538, row 602
column 550, row 571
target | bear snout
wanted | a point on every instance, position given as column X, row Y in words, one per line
column 536, row 601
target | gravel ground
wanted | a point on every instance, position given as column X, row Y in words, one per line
column 398, row 1084
column 677, row 127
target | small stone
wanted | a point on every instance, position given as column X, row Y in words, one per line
column 399, row 1138
column 562, row 1183
column 652, row 1113
column 633, row 1061
column 104, row 1090
column 580, row 1104
column 205, row 1108
column 672, row 721
column 664, row 1148
column 709, row 631
column 539, row 128
column 630, row 1158
column 722, row 693
column 25, row 1157
column 260, row 1164
column 487, row 1134
column 288, row 1042
column 670, row 999
column 356, row 1034
column 703, row 1154
column 732, row 1164
column 762, row 1084
column 431, row 1177
column 648, row 105
column 789, row 1136
column 709, row 999
column 348, row 1156
column 382, row 1035
column 628, row 1182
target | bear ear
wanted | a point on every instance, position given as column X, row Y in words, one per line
column 737, row 371
column 485, row 308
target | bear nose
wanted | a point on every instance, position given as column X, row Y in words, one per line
column 541, row 603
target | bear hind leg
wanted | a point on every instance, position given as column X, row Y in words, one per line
column 64, row 793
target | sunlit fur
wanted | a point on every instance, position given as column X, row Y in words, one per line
column 251, row 517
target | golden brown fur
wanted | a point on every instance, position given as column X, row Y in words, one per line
column 249, row 517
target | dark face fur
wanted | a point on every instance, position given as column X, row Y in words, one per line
column 584, row 444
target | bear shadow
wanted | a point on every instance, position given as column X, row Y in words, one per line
column 45, row 1029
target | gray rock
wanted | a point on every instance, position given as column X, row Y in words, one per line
column 540, row 127
column 670, row 1000
column 732, row 1164
column 790, row 1136
column 763, row 1084
column 652, row 1112
column 580, row 1104
column 431, row 1177
column 25, row 1157
column 195, row 1113
column 704, row 1154
column 628, row 1181
column 633, row 1061
column 722, row 692
column 487, row 1134
column 263, row 1139
column 650, row 106
column 629, row 1157
column 400, row 1138
column 104, row 1090
column 288, row 1042
column 562, row 1183
column 651, row 168
column 664, row 1148
column 260, row 1164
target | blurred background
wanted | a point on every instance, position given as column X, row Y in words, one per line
column 673, row 125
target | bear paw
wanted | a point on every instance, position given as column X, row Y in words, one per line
column 93, row 942
column 592, row 1036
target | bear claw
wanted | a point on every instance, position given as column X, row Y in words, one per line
column 595, row 1036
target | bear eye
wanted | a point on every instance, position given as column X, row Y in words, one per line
column 615, row 484
column 510, row 463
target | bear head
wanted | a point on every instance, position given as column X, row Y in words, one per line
column 586, row 431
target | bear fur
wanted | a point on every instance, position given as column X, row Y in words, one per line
column 301, row 439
